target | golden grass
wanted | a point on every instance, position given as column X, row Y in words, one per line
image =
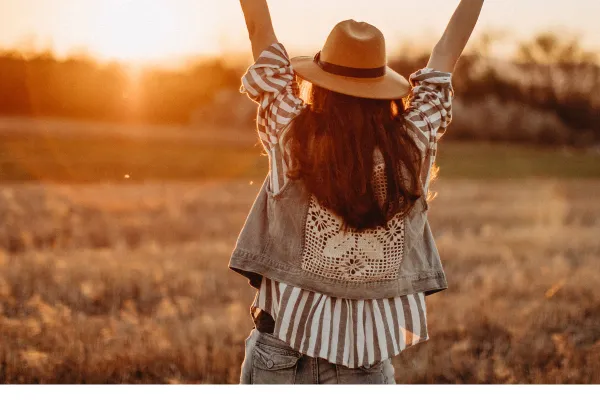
column 129, row 283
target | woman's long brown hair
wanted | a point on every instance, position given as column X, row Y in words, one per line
column 331, row 144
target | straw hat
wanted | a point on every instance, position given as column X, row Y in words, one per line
column 353, row 62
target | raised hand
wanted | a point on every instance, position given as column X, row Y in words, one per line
column 448, row 50
column 260, row 26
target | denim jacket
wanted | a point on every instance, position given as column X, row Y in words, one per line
column 282, row 239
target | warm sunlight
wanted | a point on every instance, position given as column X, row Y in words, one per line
column 147, row 186
column 160, row 31
column 136, row 30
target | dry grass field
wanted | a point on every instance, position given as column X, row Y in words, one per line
column 107, row 283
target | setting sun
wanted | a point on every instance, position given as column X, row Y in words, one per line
column 136, row 30
column 166, row 31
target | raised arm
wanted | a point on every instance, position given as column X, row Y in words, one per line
column 260, row 26
column 448, row 50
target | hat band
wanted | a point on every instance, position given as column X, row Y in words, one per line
column 349, row 72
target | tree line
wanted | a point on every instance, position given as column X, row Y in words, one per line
column 546, row 94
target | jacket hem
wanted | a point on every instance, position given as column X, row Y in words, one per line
column 253, row 267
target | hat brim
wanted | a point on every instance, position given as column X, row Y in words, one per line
column 388, row 87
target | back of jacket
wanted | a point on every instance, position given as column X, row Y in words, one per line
column 291, row 238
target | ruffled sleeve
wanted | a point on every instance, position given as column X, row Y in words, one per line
column 271, row 82
column 430, row 104
column 429, row 112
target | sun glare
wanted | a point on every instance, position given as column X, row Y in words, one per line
column 136, row 30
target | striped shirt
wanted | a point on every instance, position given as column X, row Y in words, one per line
column 344, row 331
column 347, row 332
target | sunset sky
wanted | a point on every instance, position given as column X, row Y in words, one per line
column 151, row 30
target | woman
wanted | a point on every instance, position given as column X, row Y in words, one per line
column 337, row 242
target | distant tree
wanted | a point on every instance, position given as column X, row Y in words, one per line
column 485, row 42
column 561, row 76
column 549, row 48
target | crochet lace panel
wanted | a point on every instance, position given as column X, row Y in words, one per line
column 372, row 255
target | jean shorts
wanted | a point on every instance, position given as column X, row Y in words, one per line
column 269, row 360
